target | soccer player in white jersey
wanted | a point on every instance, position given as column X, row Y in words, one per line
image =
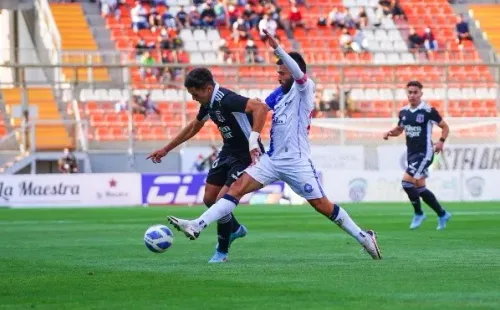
column 288, row 158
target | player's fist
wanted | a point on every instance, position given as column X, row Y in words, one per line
column 386, row 136
column 438, row 147
column 156, row 156
column 255, row 154
column 272, row 42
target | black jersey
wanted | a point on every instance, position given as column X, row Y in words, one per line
column 417, row 124
column 227, row 111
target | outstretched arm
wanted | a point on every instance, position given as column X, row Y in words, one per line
column 394, row 132
column 184, row 135
column 299, row 76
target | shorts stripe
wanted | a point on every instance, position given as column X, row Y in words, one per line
column 420, row 169
column 316, row 177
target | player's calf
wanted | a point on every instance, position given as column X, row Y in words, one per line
column 413, row 196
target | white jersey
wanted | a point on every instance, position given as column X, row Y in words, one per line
column 291, row 120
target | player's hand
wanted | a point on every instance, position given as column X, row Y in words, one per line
column 438, row 147
column 386, row 136
column 255, row 154
column 272, row 41
column 156, row 156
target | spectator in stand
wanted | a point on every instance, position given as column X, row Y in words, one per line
column 240, row 30
column 462, row 28
column 150, row 105
column 182, row 18
column 252, row 53
column 166, row 58
column 295, row 18
column 207, row 15
column 250, row 16
column 140, row 48
column 232, row 14
column 168, row 19
column 220, row 13
column 430, row 42
column 155, row 20
column 163, row 41
column 362, row 18
column 397, row 10
column 224, row 55
column 110, row 6
column 415, row 41
column 139, row 15
column 345, row 41
column 336, row 18
column 385, row 5
column 349, row 21
column 194, row 17
column 359, row 42
column 269, row 24
column 147, row 61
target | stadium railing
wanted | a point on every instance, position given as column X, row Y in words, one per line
column 125, row 131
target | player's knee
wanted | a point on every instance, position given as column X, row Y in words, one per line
column 208, row 201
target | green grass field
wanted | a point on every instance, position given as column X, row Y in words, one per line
column 293, row 258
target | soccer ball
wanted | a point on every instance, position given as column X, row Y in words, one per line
column 158, row 238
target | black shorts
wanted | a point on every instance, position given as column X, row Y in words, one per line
column 226, row 169
column 418, row 165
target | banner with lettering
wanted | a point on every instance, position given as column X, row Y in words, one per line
column 454, row 157
column 70, row 190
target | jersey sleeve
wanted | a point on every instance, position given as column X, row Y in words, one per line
column 234, row 103
column 435, row 116
column 400, row 119
column 202, row 113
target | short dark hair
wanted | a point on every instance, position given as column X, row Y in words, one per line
column 298, row 59
column 415, row 83
column 199, row 78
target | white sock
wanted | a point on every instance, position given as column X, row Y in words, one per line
column 220, row 209
column 344, row 221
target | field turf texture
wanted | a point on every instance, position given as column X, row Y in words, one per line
column 292, row 258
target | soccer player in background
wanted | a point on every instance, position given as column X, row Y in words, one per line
column 416, row 120
column 240, row 121
column 288, row 158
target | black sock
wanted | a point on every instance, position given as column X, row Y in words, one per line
column 430, row 199
column 235, row 224
column 224, row 226
column 413, row 195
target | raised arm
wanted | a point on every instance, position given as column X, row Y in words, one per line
column 299, row 76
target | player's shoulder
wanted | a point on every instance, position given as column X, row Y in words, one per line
column 404, row 110
column 225, row 91
column 427, row 107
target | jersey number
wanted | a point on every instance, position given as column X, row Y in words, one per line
column 215, row 163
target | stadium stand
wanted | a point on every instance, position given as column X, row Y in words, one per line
column 373, row 91
column 47, row 136
column 487, row 18
column 79, row 45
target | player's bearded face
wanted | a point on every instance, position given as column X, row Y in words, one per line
column 414, row 95
column 285, row 78
column 202, row 95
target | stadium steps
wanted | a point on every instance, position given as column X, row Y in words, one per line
column 487, row 18
column 68, row 18
column 102, row 36
column 47, row 136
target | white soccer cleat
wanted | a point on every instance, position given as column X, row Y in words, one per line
column 417, row 221
column 187, row 227
column 371, row 246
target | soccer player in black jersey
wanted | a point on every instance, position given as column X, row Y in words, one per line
column 416, row 120
column 240, row 121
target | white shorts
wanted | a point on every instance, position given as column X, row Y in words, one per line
column 299, row 174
